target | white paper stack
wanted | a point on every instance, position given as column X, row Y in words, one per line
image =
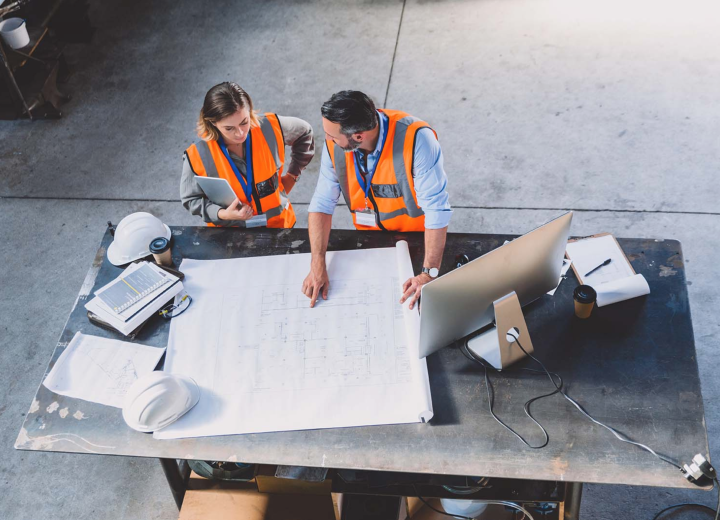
column 614, row 282
column 159, row 287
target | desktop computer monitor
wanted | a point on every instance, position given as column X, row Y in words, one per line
column 493, row 286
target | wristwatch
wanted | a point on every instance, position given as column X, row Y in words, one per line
column 432, row 272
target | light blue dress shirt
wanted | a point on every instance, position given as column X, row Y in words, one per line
column 428, row 175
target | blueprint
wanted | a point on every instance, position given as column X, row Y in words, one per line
column 100, row 370
column 265, row 361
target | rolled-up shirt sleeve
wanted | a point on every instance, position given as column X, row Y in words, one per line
column 327, row 191
column 193, row 198
column 431, row 181
column 298, row 135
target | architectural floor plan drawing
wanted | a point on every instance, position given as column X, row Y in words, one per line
column 266, row 361
column 100, row 369
column 341, row 342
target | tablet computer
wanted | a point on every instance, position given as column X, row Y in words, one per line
column 217, row 190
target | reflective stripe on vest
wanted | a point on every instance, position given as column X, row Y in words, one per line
column 402, row 130
column 207, row 159
column 341, row 172
column 268, row 156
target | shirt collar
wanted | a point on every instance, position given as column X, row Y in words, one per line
column 382, row 118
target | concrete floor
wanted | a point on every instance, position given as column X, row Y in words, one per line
column 609, row 108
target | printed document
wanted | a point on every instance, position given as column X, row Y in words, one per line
column 614, row 282
column 589, row 253
column 100, row 370
column 266, row 362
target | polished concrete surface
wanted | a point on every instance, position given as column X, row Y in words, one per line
column 610, row 109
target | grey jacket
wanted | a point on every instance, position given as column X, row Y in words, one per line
column 298, row 135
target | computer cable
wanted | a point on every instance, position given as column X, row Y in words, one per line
column 526, row 407
column 689, row 504
column 698, row 471
column 171, row 311
column 478, row 484
column 620, row 436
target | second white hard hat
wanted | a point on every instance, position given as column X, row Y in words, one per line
column 133, row 236
column 158, row 399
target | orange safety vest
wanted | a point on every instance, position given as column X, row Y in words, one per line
column 268, row 156
column 392, row 189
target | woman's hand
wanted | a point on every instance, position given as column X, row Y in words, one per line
column 236, row 211
column 288, row 182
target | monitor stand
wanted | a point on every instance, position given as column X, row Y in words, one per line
column 493, row 345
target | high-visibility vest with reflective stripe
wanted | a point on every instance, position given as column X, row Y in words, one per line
column 268, row 156
column 392, row 189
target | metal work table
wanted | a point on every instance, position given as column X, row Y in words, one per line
column 631, row 365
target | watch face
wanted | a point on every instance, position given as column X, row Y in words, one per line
column 433, row 272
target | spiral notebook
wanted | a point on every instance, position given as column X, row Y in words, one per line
column 132, row 286
column 139, row 291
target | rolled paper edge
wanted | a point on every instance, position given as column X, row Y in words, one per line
column 621, row 290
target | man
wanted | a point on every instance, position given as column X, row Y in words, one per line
column 388, row 166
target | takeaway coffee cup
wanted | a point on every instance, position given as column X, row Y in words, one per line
column 584, row 297
column 160, row 249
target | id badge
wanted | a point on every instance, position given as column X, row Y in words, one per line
column 256, row 221
column 365, row 217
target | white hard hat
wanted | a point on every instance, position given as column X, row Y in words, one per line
column 158, row 399
column 463, row 508
column 133, row 236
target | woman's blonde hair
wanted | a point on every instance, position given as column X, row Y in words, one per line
column 221, row 101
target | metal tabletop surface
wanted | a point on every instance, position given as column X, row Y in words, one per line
column 632, row 365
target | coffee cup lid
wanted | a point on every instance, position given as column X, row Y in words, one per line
column 159, row 245
column 584, row 294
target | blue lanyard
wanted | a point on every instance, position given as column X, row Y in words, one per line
column 246, row 185
column 365, row 183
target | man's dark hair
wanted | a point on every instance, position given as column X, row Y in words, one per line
column 352, row 110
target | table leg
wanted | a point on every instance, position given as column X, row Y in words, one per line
column 177, row 475
column 573, row 494
column 10, row 79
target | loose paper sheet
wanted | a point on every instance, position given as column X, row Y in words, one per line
column 589, row 253
column 265, row 361
column 100, row 370
column 563, row 271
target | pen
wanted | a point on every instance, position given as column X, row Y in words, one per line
column 606, row 262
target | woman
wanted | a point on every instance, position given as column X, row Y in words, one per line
column 248, row 150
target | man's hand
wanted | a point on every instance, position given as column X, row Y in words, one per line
column 316, row 283
column 412, row 286
column 236, row 211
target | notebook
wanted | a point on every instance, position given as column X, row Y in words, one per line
column 589, row 252
column 148, row 295
column 132, row 286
